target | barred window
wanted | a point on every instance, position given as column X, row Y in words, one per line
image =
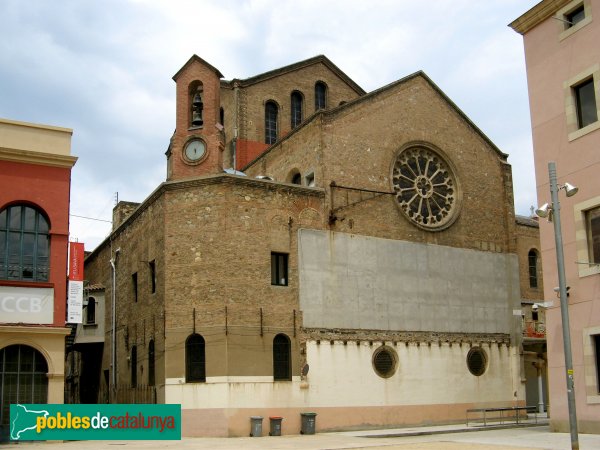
column 24, row 244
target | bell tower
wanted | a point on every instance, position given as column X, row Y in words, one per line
column 197, row 145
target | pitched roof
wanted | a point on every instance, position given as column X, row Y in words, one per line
column 319, row 59
column 376, row 92
column 527, row 221
column 201, row 61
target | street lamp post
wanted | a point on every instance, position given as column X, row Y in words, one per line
column 564, row 306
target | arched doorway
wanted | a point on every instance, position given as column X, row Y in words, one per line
column 23, row 379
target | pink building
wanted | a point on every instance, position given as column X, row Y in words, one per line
column 562, row 51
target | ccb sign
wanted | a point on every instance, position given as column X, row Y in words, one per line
column 26, row 305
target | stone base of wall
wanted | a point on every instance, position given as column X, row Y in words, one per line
column 235, row 422
column 583, row 426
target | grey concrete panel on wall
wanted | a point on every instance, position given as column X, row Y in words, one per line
column 360, row 282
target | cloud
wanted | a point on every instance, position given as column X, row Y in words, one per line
column 104, row 69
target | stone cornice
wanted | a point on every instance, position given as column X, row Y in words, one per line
column 38, row 158
column 537, row 15
column 416, row 337
column 13, row 329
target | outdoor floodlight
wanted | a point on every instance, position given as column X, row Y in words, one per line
column 544, row 210
column 570, row 190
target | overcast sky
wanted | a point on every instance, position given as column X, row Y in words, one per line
column 104, row 69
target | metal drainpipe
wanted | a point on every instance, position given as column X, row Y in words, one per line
column 236, row 101
column 540, row 371
column 113, row 374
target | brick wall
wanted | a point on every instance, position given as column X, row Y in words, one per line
column 355, row 146
column 528, row 238
column 253, row 97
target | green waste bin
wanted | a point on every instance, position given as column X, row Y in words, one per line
column 256, row 426
column 308, row 422
column 275, row 425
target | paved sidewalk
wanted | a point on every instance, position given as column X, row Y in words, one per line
column 452, row 437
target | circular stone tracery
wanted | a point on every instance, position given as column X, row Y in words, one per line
column 425, row 188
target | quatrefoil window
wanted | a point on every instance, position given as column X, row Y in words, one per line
column 425, row 188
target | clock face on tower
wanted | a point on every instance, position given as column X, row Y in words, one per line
column 194, row 150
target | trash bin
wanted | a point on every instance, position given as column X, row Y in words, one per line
column 308, row 423
column 256, row 426
column 275, row 425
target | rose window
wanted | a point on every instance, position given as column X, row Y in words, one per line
column 425, row 188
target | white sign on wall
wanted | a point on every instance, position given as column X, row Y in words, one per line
column 75, row 294
column 26, row 305
column 75, row 302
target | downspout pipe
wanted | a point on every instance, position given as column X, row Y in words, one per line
column 113, row 371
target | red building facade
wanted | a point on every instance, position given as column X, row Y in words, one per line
column 35, row 180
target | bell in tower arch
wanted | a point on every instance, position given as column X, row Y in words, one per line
column 197, row 107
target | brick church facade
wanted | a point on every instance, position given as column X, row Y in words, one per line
column 317, row 248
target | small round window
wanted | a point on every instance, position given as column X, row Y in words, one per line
column 385, row 362
column 477, row 361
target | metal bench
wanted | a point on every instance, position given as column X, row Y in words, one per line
column 509, row 413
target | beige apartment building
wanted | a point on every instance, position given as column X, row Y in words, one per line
column 562, row 53
column 316, row 248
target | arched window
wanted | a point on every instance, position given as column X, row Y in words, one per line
column 23, row 379
column 271, row 111
column 151, row 375
column 90, row 311
column 133, row 366
column 282, row 358
column 195, row 362
column 320, row 95
column 533, row 269
column 24, row 244
column 296, row 109
column 297, row 179
column 294, row 176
